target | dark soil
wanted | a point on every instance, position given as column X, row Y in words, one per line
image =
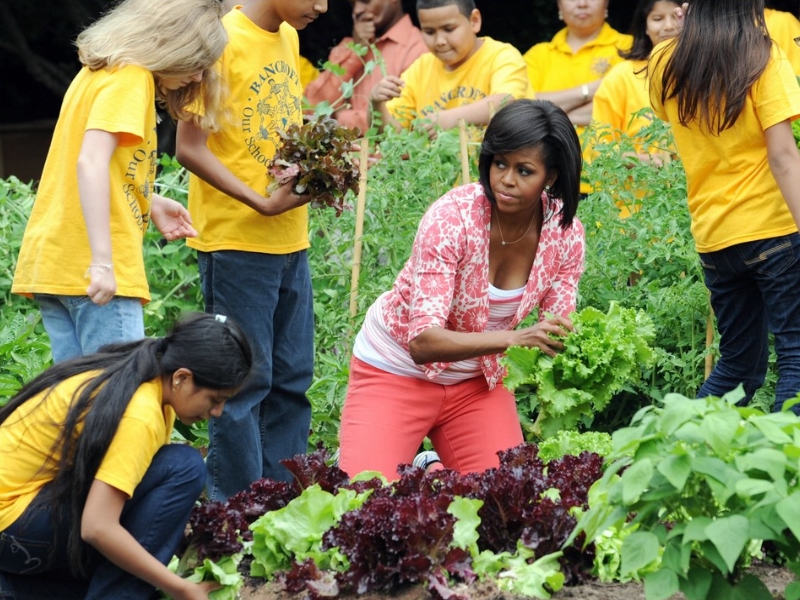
column 775, row 578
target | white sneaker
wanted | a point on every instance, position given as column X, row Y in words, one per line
column 425, row 459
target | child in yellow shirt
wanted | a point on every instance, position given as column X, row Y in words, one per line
column 462, row 77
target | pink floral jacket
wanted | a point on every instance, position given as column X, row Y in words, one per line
column 445, row 282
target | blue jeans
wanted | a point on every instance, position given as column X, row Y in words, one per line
column 755, row 289
column 270, row 296
column 77, row 326
column 156, row 516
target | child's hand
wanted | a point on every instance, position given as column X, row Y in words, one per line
column 103, row 285
column 680, row 13
column 387, row 88
column 282, row 199
column 171, row 218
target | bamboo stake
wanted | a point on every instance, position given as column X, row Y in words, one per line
column 360, row 207
column 462, row 134
column 709, row 341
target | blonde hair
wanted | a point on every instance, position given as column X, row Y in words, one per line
column 169, row 38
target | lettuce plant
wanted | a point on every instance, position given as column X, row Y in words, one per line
column 317, row 156
column 602, row 355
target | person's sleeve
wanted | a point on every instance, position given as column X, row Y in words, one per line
column 404, row 109
column 130, row 453
column 509, row 74
column 609, row 102
column 435, row 255
column 561, row 298
column 776, row 93
column 327, row 86
column 122, row 103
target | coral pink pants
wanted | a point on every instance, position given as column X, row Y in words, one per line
column 386, row 417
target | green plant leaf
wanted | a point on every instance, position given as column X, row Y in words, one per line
column 789, row 510
column 676, row 469
column 697, row 584
column 729, row 535
column 660, row 585
column 639, row 549
column 635, row 480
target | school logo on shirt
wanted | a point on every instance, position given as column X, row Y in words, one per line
column 273, row 105
column 463, row 94
column 139, row 176
column 600, row 66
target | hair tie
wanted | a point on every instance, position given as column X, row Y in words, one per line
column 220, row 318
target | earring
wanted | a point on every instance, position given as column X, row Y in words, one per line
column 176, row 384
column 560, row 16
column 606, row 14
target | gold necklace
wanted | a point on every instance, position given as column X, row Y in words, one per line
column 500, row 229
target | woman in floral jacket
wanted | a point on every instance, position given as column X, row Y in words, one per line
column 426, row 361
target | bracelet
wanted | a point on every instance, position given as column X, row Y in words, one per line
column 102, row 266
column 585, row 92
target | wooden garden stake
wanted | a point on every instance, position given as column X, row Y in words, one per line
column 360, row 207
column 709, row 341
column 462, row 133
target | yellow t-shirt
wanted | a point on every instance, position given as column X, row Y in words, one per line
column 27, row 437
column 622, row 93
column 261, row 70
column 55, row 248
column 733, row 196
column 553, row 66
column 496, row 68
column 783, row 27
column 308, row 72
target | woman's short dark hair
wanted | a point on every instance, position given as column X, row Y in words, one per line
column 542, row 125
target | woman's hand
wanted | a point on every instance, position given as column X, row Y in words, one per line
column 541, row 335
column 171, row 218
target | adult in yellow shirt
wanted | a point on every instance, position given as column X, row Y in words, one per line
column 784, row 28
column 126, row 493
column 568, row 69
column 463, row 77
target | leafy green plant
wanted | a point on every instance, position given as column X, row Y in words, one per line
column 604, row 353
column 694, row 484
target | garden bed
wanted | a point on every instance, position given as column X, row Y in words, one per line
column 775, row 578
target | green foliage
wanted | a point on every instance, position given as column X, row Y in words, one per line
column 693, row 484
column 516, row 572
column 573, row 443
column 24, row 351
column 604, row 353
column 647, row 261
column 294, row 532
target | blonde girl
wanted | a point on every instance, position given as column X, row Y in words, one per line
column 81, row 255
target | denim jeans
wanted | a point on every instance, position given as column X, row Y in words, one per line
column 156, row 516
column 77, row 326
column 270, row 296
column 755, row 290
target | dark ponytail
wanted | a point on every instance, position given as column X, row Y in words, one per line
column 213, row 348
